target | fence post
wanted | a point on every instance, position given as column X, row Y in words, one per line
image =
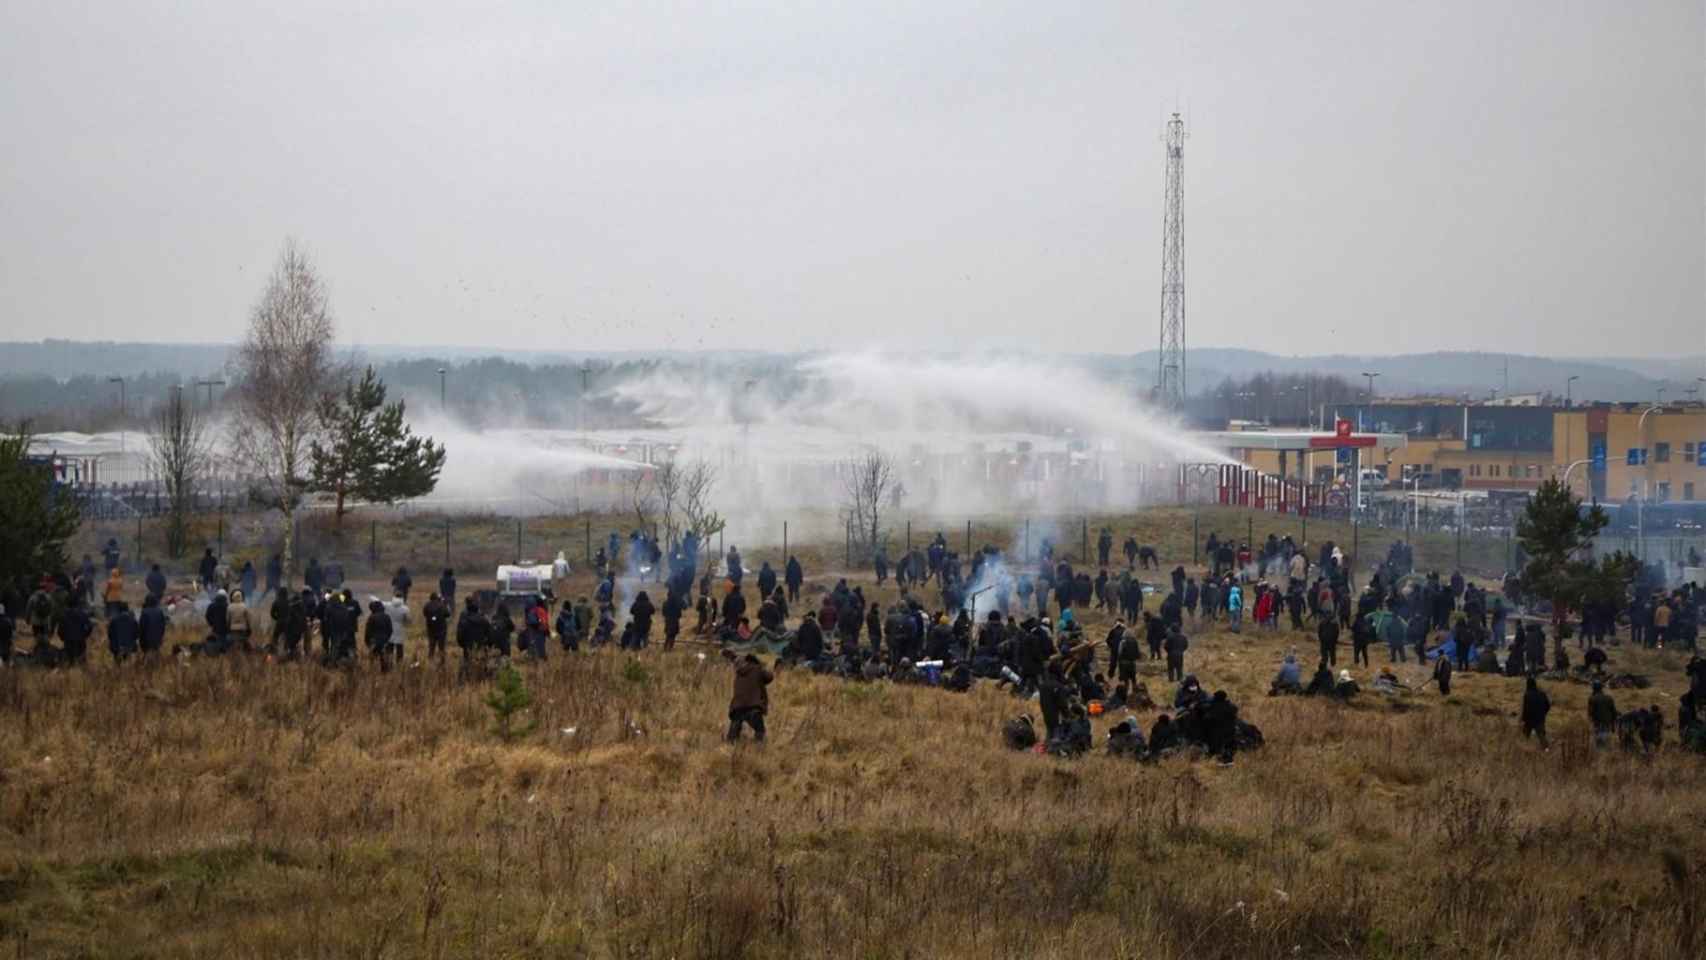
column 447, row 542
column 373, row 544
column 1305, row 532
column 589, row 540
column 1196, row 533
column 517, row 540
column 968, row 539
column 1026, row 557
column 141, row 561
column 784, row 541
column 1084, row 557
column 909, row 535
column 221, row 549
column 848, row 560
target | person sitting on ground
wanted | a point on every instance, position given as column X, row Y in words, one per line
column 1164, row 738
column 1594, row 660
column 1138, row 698
column 1388, row 682
column 1289, row 680
column 1487, row 660
column 1347, row 687
column 1126, row 741
column 1190, row 693
column 1019, row 733
column 1321, row 684
column 1074, row 738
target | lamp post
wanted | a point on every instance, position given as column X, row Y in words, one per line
column 441, row 372
column 1368, row 398
column 1646, row 485
column 121, row 410
column 1567, row 384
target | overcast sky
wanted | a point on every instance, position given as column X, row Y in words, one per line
column 1361, row 176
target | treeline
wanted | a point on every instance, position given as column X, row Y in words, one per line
column 1289, row 399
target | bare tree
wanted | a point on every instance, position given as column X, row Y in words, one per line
column 640, row 486
column 178, row 453
column 865, row 483
column 698, row 483
column 667, row 481
column 283, row 371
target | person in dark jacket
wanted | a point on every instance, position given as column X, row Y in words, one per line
column 1535, row 706
column 155, row 581
column 377, row 633
column 1442, row 673
column 207, row 568
column 218, row 624
column 766, row 579
column 503, row 627
column 275, row 573
column 151, row 626
column 794, row 576
column 751, row 700
column 447, row 587
column 1327, row 631
column 674, row 605
column 473, row 630
column 1220, row 726
column 437, row 615
column 75, row 627
column 642, row 611
column 313, row 578
column 122, row 633
column 1176, row 645
column 7, row 629
column 401, row 583
column 1602, row 715
column 808, row 639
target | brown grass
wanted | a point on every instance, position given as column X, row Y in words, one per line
column 234, row 808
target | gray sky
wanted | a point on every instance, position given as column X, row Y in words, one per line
column 1521, row 176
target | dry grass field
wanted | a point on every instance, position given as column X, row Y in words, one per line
column 237, row 808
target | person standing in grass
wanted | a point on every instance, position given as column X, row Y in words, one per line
column 1602, row 714
column 751, row 700
column 1535, row 706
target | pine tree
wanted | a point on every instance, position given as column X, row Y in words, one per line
column 37, row 516
column 509, row 697
column 1557, row 535
column 370, row 456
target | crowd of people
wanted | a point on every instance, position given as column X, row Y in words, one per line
column 988, row 619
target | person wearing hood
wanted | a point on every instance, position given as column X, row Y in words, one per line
column 1289, row 680
column 1535, row 706
column 751, row 700
column 207, row 568
column 642, row 611
column 1190, row 693
column 1220, row 727
column 112, row 593
column 1321, row 684
column 1176, row 645
column 241, row 624
column 1346, row 688
column 151, row 626
column 122, row 632
column 377, row 633
column 766, row 579
column 155, row 582
column 437, row 616
column 218, row 623
column 246, row 579
column 447, row 587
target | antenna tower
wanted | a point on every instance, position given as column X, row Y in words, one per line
column 1171, row 392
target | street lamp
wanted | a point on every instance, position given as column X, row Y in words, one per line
column 1567, row 384
column 1646, row 486
column 441, row 373
column 1368, row 397
column 121, row 410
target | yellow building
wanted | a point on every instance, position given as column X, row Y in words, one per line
column 1671, row 436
